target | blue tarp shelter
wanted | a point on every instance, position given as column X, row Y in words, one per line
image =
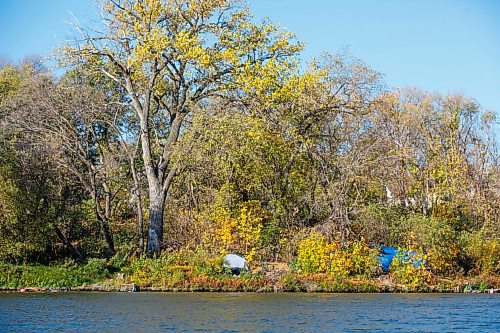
column 387, row 254
column 385, row 257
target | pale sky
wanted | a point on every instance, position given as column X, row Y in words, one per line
column 437, row 45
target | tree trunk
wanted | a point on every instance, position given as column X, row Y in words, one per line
column 158, row 180
column 155, row 233
column 66, row 242
column 140, row 222
column 138, row 193
column 102, row 217
column 108, row 236
column 107, row 217
column 104, row 223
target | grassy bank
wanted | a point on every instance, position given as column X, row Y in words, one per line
column 62, row 275
column 157, row 275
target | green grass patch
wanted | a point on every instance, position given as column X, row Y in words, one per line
column 62, row 275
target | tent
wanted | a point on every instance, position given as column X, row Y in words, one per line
column 235, row 263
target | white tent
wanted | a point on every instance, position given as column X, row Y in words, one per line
column 236, row 263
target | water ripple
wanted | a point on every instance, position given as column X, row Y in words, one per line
column 248, row 312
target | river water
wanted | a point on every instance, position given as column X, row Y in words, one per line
column 248, row 312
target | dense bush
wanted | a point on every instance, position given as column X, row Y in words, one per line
column 438, row 239
column 482, row 249
column 316, row 254
column 410, row 270
column 238, row 230
column 174, row 269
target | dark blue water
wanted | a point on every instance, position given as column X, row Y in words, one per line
column 248, row 312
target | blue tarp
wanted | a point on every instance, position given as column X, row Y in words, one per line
column 387, row 254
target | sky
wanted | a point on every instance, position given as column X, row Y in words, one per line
column 445, row 46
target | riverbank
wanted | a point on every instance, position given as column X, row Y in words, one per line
column 346, row 287
column 95, row 277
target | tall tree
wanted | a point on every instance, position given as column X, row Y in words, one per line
column 171, row 56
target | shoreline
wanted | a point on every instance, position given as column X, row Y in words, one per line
column 97, row 276
column 175, row 291
column 348, row 287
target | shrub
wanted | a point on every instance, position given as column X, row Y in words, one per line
column 149, row 271
column 236, row 231
column 94, row 269
column 364, row 259
column 317, row 255
column 483, row 249
column 383, row 225
column 173, row 269
column 405, row 271
column 201, row 262
column 437, row 238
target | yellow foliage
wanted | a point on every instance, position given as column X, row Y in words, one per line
column 318, row 255
column 405, row 272
column 315, row 254
column 484, row 250
column 237, row 231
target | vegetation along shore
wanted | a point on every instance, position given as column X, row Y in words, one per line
column 181, row 131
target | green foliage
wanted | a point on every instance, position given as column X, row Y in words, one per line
column 147, row 271
column 202, row 262
column 290, row 282
column 10, row 80
column 173, row 270
column 67, row 274
column 242, row 160
column 438, row 240
column 483, row 249
column 94, row 269
column 380, row 224
column 24, row 215
column 364, row 259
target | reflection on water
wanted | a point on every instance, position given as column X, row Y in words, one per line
column 248, row 312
